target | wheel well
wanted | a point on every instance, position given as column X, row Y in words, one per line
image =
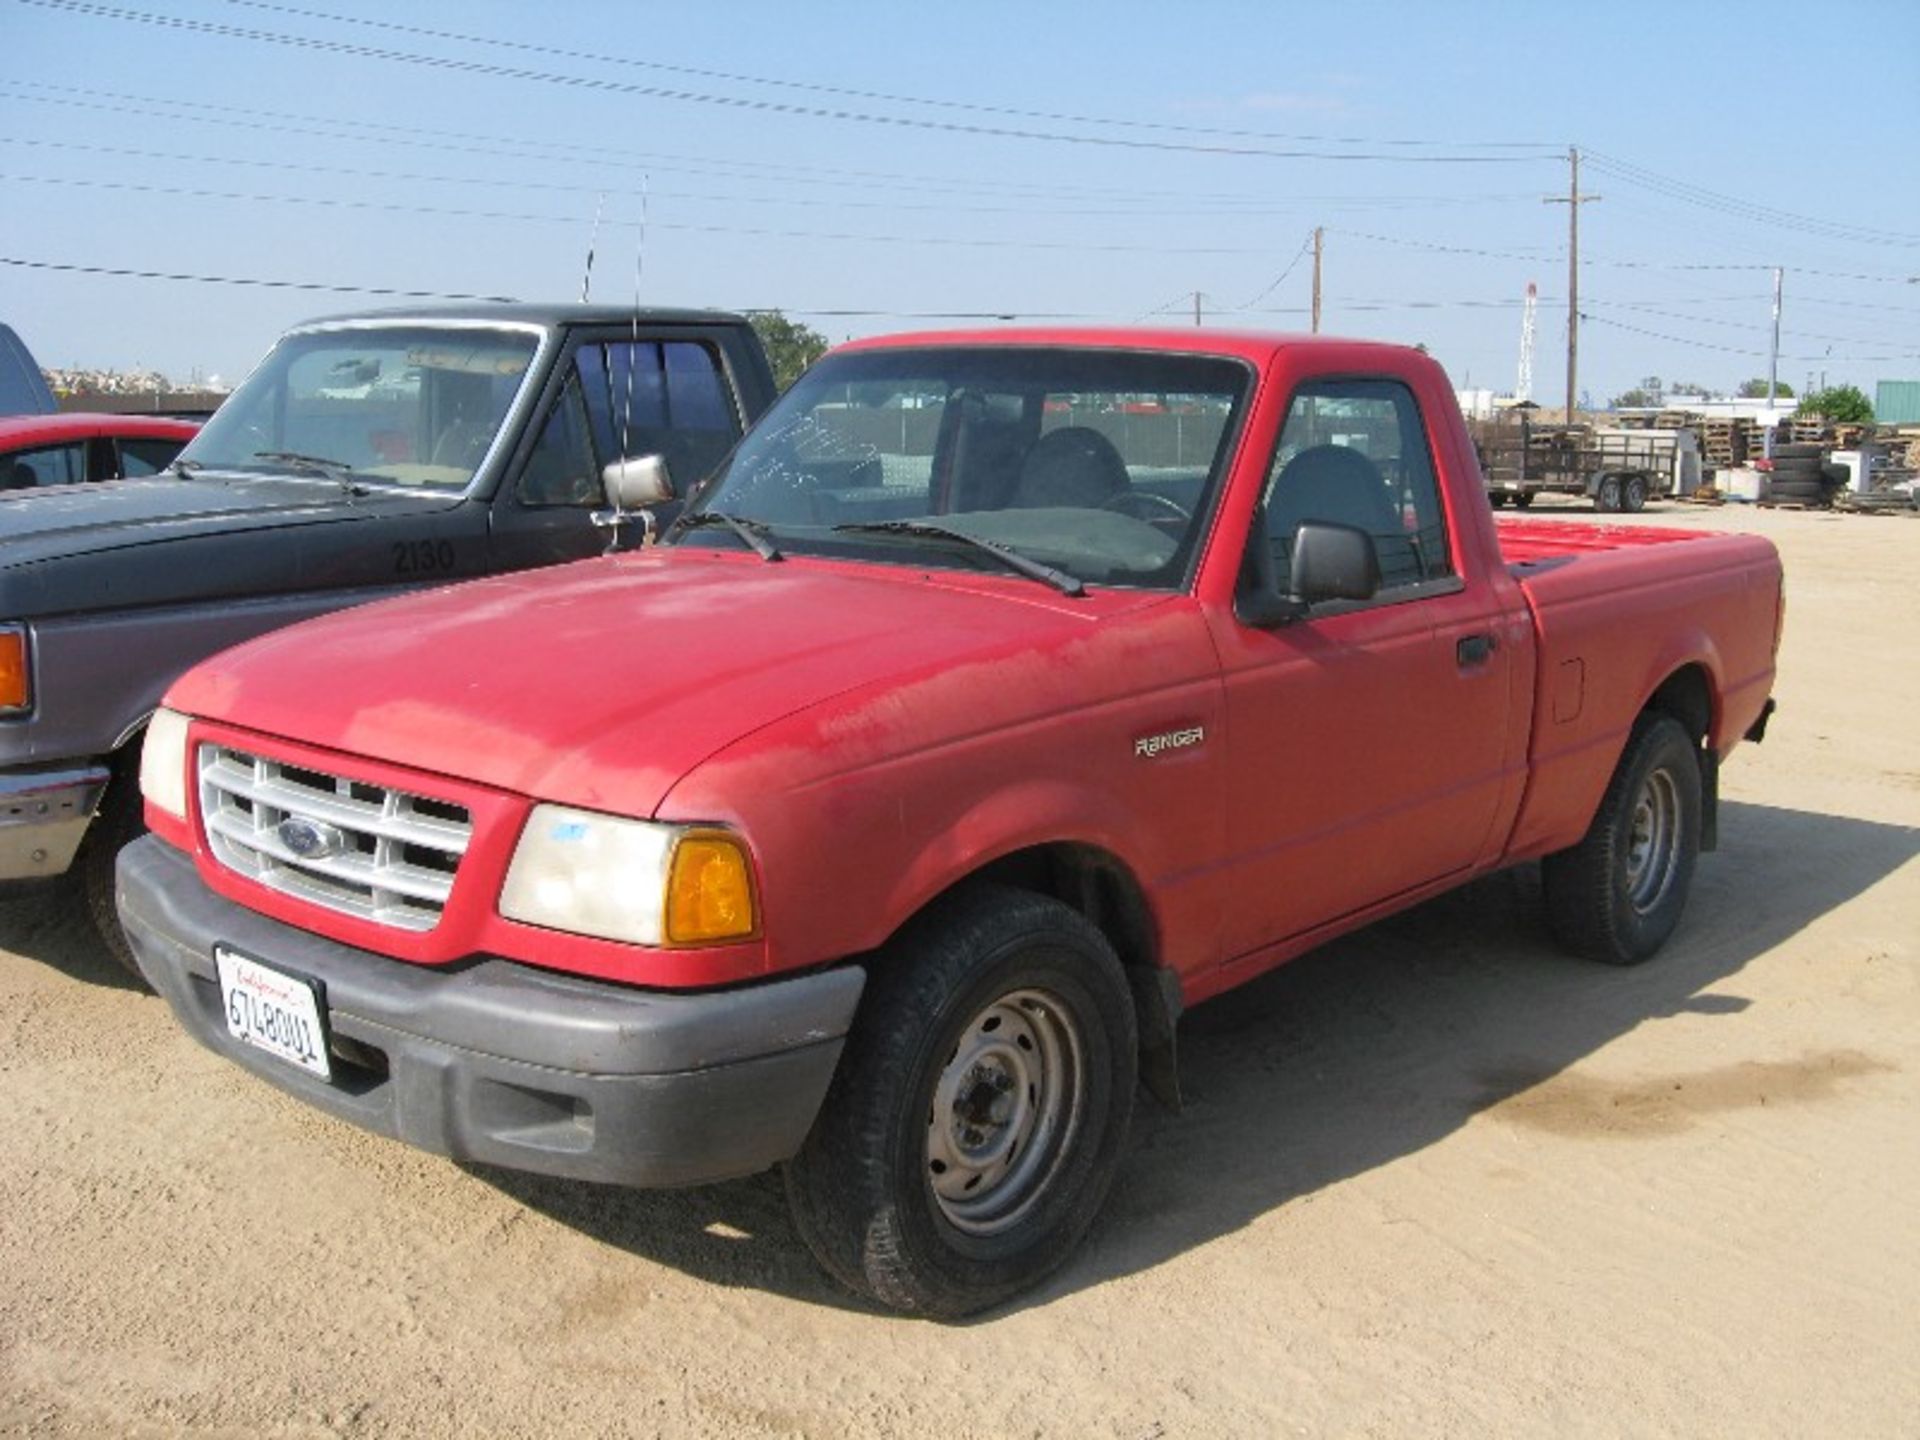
column 1091, row 881
column 1100, row 887
column 1687, row 696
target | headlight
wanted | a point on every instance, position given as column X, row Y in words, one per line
column 16, row 674
column 163, row 762
column 631, row 880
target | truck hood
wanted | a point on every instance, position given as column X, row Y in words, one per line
column 600, row 684
column 89, row 530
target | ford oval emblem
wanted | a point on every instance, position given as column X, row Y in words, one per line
column 310, row 839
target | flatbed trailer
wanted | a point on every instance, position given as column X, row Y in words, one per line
column 1619, row 470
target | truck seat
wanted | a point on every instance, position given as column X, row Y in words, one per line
column 1339, row 485
column 1074, row 467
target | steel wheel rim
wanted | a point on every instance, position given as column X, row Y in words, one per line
column 1653, row 842
column 1005, row 1109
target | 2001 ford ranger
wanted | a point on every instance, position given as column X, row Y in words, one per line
column 1003, row 695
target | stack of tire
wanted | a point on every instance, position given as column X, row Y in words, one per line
column 1799, row 475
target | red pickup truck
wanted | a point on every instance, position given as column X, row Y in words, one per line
column 1003, row 695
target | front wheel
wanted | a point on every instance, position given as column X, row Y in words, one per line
column 119, row 823
column 1633, row 496
column 1618, row 894
column 979, row 1112
column 1606, row 498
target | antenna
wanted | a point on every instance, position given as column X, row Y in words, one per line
column 586, row 276
column 1523, row 387
column 633, row 347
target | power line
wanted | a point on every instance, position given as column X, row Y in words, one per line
column 1305, row 245
column 734, row 102
column 496, row 147
column 1145, row 206
column 1700, row 196
column 1733, row 350
column 879, row 96
column 251, row 281
column 684, row 227
column 1761, row 325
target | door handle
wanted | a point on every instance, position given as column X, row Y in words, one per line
column 1473, row 649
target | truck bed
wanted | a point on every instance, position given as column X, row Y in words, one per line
column 1614, row 609
column 1526, row 544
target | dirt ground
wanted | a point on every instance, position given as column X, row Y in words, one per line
column 1434, row 1180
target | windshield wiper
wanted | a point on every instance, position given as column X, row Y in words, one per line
column 1012, row 559
column 185, row 468
column 337, row 471
column 332, row 469
column 754, row 532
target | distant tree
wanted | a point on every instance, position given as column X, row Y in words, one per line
column 1756, row 389
column 1688, row 387
column 791, row 347
column 1843, row 404
column 1638, row 398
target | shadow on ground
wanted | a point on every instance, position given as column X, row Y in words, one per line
column 50, row 924
column 1358, row 1054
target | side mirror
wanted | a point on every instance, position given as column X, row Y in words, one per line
column 633, row 488
column 1330, row 562
column 639, row 483
column 1334, row 562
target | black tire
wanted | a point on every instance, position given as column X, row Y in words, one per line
column 1799, row 490
column 1797, row 469
column 1617, row 895
column 1497, row 498
column 121, row 820
column 1522, row 499
column 1606, row 496
column 1633, row 494
column 863, row 1187
column 1797, row 450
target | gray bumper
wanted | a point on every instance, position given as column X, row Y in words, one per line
column 508, row 1065
column 44, row 815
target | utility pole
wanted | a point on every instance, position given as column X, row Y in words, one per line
column 1773, row 356
column 1196, row 309
column 1573, row 200
column 1319, row 246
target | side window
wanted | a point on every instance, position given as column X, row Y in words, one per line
column 667, row 398
column 1353, row 452
column 560, row 468
column 146, row 457
column 50, row 465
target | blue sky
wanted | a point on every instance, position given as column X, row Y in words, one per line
column 871, row 167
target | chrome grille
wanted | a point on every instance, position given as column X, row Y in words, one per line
column 391, row 857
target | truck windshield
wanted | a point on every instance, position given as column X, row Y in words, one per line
column 1097, row 464
column 411, row 405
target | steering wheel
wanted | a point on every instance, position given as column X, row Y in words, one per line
column 1147, row 506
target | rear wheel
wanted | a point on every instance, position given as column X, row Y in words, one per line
column 1522, row 499
column 1606, row 496
column 1618, row 894
column 979, row 1112
column 1633, row 494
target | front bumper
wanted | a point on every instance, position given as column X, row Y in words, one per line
column 44, row 815
column 511, row 1066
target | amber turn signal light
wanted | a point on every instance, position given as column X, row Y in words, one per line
column 16, row 684
column 710, row 892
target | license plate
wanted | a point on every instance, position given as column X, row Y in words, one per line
column 274, row 1012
